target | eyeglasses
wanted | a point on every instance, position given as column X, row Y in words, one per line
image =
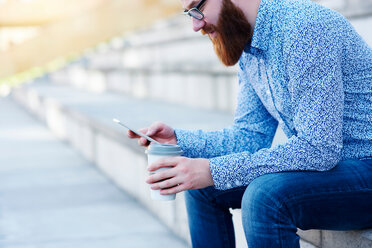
column 195, row 11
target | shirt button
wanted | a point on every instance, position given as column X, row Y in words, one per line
column 228, row 185
column 238, row 183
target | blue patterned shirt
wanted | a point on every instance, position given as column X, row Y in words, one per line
column 306, row 70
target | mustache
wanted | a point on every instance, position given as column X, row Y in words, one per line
column 208, row 29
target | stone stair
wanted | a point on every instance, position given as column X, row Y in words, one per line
column 145, row 66
column 50, row 196
column 164, row 72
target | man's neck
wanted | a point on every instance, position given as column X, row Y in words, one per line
column 249, row 8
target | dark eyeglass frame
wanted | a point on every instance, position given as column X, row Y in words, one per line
column 195, row 12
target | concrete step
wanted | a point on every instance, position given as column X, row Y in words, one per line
column 197, row 87
column 50, row 196
column 169, row 42
column 164, row 62
column 85, row 120
column 339, row 239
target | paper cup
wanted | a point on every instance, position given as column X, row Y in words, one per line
column 156, row 152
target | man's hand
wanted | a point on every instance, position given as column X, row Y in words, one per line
column 186, row 174
column 158, row 131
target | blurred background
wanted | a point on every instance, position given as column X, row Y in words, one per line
column 68, row 175
column 34, row 33
column 37, row 36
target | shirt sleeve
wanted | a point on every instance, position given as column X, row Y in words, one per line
column 313, row 67
column 253, row 129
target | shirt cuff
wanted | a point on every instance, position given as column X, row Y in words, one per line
column 221, row 170
column 191, row 142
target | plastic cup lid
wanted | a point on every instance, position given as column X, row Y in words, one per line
column 164, row 149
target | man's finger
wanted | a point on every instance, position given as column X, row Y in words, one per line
column 132, row 135
column 154, row 128
column 168, row 183
column 143, row 142
column 143, row 130
column 177, row 189
column 161, row 175
column 167, row 162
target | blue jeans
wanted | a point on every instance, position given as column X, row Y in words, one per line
column 275, row 205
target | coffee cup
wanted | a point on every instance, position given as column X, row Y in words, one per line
column 156, row 152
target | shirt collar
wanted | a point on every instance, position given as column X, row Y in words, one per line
column 262, row 28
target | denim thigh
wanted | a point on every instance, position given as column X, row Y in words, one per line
column 274, row 205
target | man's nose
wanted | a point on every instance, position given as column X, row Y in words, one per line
column 197, row 24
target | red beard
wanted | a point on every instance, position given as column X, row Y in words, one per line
column 233, row 33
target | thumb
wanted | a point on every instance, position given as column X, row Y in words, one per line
column 153, row 129
column 150, row 132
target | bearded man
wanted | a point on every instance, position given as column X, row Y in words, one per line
column 303, row 67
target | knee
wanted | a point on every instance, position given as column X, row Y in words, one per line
column 266, row 211
column 264, row 197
